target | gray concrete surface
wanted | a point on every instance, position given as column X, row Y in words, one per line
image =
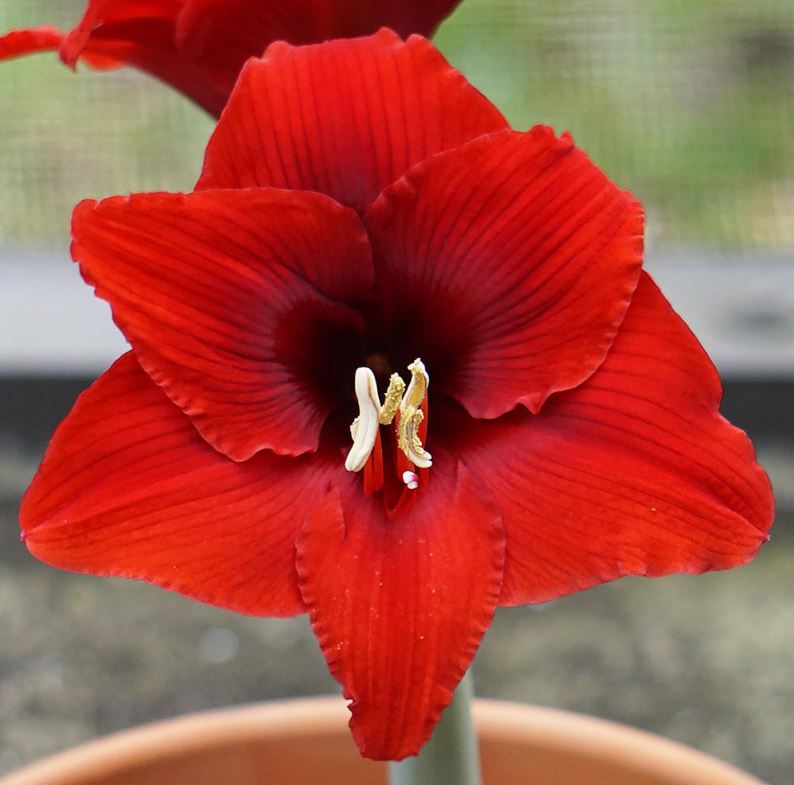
column 742, row 309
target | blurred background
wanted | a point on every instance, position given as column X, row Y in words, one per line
column 691, row 106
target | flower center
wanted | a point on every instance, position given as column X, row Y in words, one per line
column 403, row 409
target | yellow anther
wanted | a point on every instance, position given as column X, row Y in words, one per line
column 417, row 389
column 408, row 436
column 391, row 402
column 411, row 417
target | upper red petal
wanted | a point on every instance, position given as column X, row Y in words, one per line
column 345, row 118
column 46, row 39
column 128, row 488
column 511, row 262
column 102, row 12
column 633, row 473
column 199, row 46
column 223, row 34
column 34, row 39
column 147, row 44
column 77, row 42
column 224, row 295
column 141, row 33
column 113, row 33
column 399, row 606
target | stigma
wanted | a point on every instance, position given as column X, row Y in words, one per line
column 405, row 406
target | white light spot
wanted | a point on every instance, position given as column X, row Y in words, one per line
column 219, row 645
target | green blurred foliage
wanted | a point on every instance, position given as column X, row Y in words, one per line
column 690, row 105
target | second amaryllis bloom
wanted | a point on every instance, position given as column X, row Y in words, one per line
column 199, row 46
column 393, row 364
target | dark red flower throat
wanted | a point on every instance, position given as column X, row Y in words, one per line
column 375, row 398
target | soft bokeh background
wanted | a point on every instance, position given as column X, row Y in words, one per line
column 691, row 105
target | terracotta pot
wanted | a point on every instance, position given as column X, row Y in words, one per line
column 306, row 742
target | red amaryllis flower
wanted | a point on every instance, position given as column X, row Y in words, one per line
column 199, row 46
column 365, row 220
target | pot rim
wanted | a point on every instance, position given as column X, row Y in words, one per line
column 535, row 727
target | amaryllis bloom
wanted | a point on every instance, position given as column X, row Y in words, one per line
column 199, row 46
column 393, row 364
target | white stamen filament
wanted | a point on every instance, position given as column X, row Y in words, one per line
column 364, row 429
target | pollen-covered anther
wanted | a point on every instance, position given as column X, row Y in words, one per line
column 407, row 402
column 364, row 429
column 392, row 400
column 411, row 416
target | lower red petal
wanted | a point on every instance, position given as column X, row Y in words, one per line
column 128, row 488
column 400, row 605
column 633, row 473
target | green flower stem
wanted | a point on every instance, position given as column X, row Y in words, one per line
column 451, row 755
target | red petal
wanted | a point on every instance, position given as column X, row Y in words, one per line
column 225, row 296
column 141, row 33
column 103, row 12
column 633, row 473
column 345, row 118
column 77, row 42
column 223, row 34
column 513, row 259
column 23, row 42
column 128, row 488
column 148, row 44
column 113, row 33
column 45, row 39
column 399, row 606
